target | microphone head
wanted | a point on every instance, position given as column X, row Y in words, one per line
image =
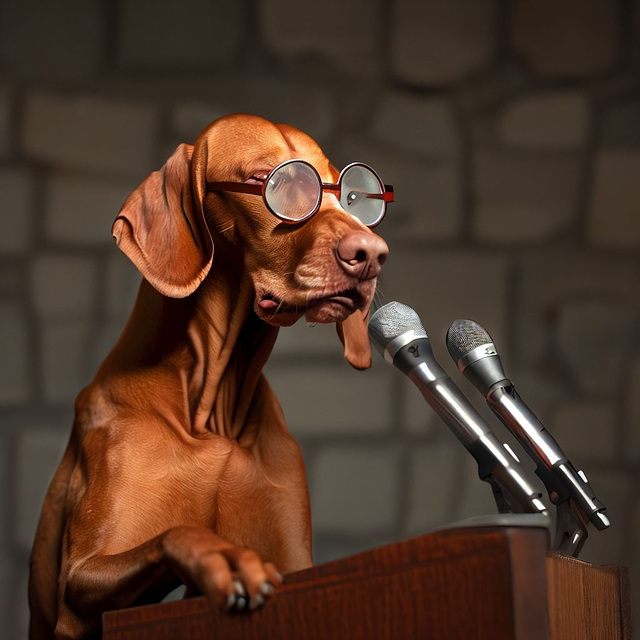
column 391, row 321
column 464, row 336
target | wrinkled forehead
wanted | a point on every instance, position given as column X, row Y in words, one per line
column 239, row 146
column 302, row 146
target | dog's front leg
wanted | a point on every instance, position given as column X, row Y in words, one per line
column 202, row 560
column 226, row 573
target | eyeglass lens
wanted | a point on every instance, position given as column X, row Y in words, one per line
column 358, row 185
column 293, row 191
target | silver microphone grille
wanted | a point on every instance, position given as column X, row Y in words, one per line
column 391, row 321
column 465, row 336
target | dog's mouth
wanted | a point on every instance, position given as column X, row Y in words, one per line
column 334, row 307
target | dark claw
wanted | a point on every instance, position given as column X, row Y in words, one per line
column 255, row 602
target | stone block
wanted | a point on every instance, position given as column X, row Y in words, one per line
column 91, row 134
column 553, row 120
column 103, row 338
column 7, row 422
column 63, row 286
column 19, row 603
column 123, row 284
column 417, row 417
column 434, row 487
column 177, row 34
column 47, row 41
column 188, row 119
column 355, row 489
column 592, row 339
column 614, row 545
column 551, row 278
column 15, row 364
column 487, row 92
column 636, row 51
column 439, row 43
column 417, row 125
column 81, row 210
column 38, row 451
column 576, row 38
column 621, row 126
column 523, row 198
column 6, row 122
column 6, row 588
column 587, row 431
column 305, row 105
column 613, row 217
column 14, row 609
column 428, row 193
column 296, row 32
column 539, row 390
column 332, row 399
column 64, row 355
column 443, row 285
column 11, row 280
column 331, row 546
column 472, row 496
column 309, row 339
column 631, row 419
column 17, row 194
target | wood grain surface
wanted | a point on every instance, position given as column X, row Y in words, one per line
column 490, row 583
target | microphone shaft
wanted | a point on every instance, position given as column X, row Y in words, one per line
column 505, row 402
column 473, row 350
column 396, row 331
column 555, row 470
column 495, row 464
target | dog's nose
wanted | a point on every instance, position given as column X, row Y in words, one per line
column 362, row 254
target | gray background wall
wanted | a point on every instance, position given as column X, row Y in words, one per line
column 511, row 131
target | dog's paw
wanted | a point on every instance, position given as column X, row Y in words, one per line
column 229, row 576
column 249, row 590
column 240, row 600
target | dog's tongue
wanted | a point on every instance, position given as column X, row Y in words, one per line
column 353, row 335
column 267, row 305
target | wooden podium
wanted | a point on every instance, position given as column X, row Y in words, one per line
column 470, row 583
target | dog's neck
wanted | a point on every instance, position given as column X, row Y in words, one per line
column 211, row 346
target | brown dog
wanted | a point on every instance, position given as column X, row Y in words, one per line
column 180, row 467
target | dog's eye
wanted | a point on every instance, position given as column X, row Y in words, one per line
column 259, row 177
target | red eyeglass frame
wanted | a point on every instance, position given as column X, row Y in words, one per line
column 387, row 194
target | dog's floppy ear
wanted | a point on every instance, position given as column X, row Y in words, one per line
column 161, row 227
column 355, row 338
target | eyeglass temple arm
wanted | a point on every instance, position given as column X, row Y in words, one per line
column 387, row 196
column 237, row 187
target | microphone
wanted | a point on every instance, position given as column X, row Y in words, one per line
column 396, row 331
column 475, row 353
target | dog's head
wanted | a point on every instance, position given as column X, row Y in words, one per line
column 324, row 267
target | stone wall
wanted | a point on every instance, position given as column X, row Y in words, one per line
column 511, row 131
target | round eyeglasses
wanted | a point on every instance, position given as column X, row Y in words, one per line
column 293, row 191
